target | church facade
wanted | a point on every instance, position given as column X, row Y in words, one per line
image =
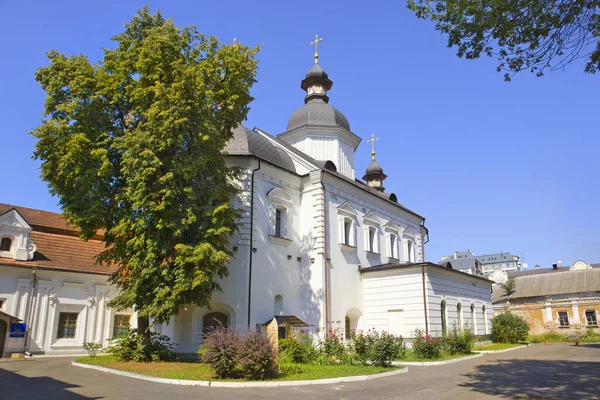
column 317, row 248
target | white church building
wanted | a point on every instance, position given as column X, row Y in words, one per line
column 317, row 247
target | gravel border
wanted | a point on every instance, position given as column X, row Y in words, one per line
column 432, row 363
column 184, row 382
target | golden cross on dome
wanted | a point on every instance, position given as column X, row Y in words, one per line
column 372, row 141
column 316, row 43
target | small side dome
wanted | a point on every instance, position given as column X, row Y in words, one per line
column 330, row 166
column 316, row 72
column 374, row 168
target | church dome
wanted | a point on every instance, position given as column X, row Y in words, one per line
column 316, row 72
column 374, row 168
column 317, row 112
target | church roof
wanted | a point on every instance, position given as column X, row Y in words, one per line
column 250, row 142
column 391, row 266
column 317, row 112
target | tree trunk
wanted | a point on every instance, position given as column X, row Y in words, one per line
column 144, row 331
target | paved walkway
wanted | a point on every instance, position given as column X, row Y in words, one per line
column 558, row 371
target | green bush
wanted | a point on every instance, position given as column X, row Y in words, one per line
column 129, row 346
column 360, row 344
column 384, row 348
column 509, row 328
column 333, row 346
column 426, row 346
column 92, row 348
column 256, row 356
column 221, row 349
column 299, row 349
column 547, row 337
column 459, row 341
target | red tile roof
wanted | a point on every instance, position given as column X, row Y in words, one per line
column 58, row 247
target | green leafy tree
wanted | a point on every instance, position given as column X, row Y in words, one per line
column 133, row 148
column 534, row 35
column 509, row 287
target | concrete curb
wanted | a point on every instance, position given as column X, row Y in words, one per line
column 499, row 351
column 432, row 363
column 184, row 382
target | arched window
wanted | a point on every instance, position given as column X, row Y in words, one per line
column 5, row 244
column 347, row 231
column 213, row 320
column 459, row 315
column 473, row 319
column 278, row 305
column 372, row 238
column 443, row 317
column 347, row 327
column 393, row 246
column 485, row 321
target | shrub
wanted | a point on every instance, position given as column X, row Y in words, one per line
column 384, row 349
column 333, row 346
column 509, row 328
column 92, row 348
column 459, row 341
column 360, row 344
column 290, row 369
column 220, row 350
column 547, row 337
column 299, row 349
column 256, row 356
column 426, row 346
column 129, row 346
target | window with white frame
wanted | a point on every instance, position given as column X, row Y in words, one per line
column 372, row 224
column 591, row 318
column 391, row 232
column 393, row 245
column 408, row 239
column 5, row 244
column 563, row 319
column 67, row 325
column 410, row 251
column 347, row 219
column 282, row 203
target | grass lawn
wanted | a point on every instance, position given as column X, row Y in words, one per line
column 411, row 357
column 194, row 370
column 497, row 346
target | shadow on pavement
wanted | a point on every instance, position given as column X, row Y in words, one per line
column 537, row 379
column 16, row 386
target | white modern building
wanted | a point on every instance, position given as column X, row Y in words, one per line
column 317, row 247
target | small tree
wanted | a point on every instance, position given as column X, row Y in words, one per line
column 133, row 148
column 509, row 287
column 509, row 328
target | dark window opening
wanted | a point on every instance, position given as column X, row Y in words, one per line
column 67, row 325
column 563, row 319
column 5, row 244
column 591, row 318
column 213, row 320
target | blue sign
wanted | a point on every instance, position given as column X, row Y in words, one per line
column 17, row 329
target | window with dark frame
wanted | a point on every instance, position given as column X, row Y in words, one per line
column 591, row 318
column 347, row 231
column 281, row 332
column 278, row 222
column 120, row 324
column 563, row 319
column 393, row 246
column 67, row 325
column 347, row 327
column 5, row 244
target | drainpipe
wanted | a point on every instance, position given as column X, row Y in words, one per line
column 251, row 241
column 30, row 311
column 325, row 266
column 424, row 299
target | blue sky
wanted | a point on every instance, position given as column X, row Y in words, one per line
column 493, row 166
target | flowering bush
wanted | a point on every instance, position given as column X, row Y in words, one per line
column 384, row 348
column 459, row 341
column 426, row 346
column 333, row 346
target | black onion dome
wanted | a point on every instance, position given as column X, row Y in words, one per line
column 374, row 168
column 316, row 72
column 317, row 112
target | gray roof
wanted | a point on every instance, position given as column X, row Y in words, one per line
column 249, row 142
column 491, row 258
column 553, row 284
column 317, row 112
column 536, row 271
column 374, row 168
column 388, row 266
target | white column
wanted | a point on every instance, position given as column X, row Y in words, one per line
column 41, row 310
column 22, row 297
column 548, row 313
column 575, row 308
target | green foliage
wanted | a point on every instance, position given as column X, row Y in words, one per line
column 130, row 345
column 385, row 348
column 333, row 346
column 256, row 356
column 509, row 287
column 509, row 328
column 532, row 35
column 221, row 349
column 547, row 337
column 92, row 348
column 459, row 341
column 132, row 146
column 299, row 349
column 426, row 346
